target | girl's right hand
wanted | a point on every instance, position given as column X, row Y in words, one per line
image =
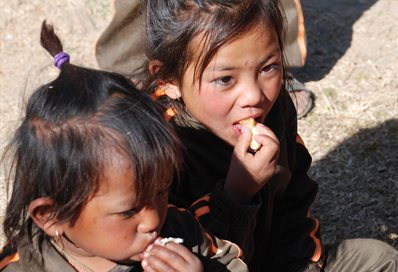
column 249, row 172
column 171, row 257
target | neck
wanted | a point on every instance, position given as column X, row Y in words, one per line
column 84, row 263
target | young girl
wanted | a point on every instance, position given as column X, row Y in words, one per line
column 93, row 160
column 216, row 64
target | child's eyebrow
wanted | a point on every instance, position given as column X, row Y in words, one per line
column 122, row 206
column 222, row 67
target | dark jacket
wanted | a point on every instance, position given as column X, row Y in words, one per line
column 215, row 254
column 276, row 232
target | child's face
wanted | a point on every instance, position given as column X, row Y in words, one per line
column 110, row 225
column 242, row 80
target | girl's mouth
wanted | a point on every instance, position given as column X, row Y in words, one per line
column 238, row 125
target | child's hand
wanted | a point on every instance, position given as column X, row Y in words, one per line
column 249, row 172
column 171, row 257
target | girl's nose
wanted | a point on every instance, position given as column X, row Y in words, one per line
column 150, row 220
column 251, row 94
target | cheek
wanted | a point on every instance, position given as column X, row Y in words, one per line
column 121, row 230
column 272, row 88
column 119, row 234
column 208, row 105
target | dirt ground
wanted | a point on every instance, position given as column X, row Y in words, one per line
column 352, row 133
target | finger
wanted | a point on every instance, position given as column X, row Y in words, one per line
column 244, row 140
column 181, row 250
column 264, row 130
column 165, row 255
column 152, row 263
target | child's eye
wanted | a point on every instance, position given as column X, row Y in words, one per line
column 224, row 81
column 270, row 68
column 129, row 213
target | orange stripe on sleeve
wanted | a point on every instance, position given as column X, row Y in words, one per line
column 9, row 259
column 213, row 248
column 201, row 211
column 318, row 247
column 204, row 198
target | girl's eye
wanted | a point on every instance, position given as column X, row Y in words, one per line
column 270, row 68
column 224, row 81
column 129, row 213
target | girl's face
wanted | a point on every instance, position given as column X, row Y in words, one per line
column 242, row 80
column 111, row 226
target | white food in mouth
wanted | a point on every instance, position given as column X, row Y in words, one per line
column 251, row 123
column 165, row 241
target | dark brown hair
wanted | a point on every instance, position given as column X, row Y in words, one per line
column 71, row 128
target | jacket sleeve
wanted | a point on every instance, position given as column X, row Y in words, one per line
column 296, row 239
column 216, row 254
column 228, row 220
column 205, row 167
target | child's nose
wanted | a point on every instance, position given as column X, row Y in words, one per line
column 251, row 94
column 150, row 220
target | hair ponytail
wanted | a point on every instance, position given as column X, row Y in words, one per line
column 49, row 40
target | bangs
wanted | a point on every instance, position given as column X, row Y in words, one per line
column 216, row 29
column 138, row 131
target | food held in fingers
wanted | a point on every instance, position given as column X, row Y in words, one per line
column 165, row 241
column 251, row 123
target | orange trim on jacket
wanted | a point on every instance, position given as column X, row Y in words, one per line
column 201, row 206
column 318, row 247
column 299, row 140
column 9, row 259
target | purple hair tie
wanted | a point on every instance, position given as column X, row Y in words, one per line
column 60, row 58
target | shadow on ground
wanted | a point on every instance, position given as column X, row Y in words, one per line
column 363, row 203
column 329, row 27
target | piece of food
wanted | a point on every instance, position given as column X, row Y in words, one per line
column 251, row 123
column 165, row 241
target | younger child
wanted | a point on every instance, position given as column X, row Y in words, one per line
column 215, row 64
column 92, row 163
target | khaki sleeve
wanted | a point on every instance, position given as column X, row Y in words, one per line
column 295, row 40
column 121, row 47
column 216, row 254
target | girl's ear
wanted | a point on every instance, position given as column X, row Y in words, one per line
column 154, row 66
column 40, row 210
column 172, row 90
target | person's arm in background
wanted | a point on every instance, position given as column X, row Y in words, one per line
column 121, row 47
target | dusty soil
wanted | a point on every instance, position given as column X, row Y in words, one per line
column 352, row 132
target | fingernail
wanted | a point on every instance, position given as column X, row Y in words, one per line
column 149, row 248
column 144, row 263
